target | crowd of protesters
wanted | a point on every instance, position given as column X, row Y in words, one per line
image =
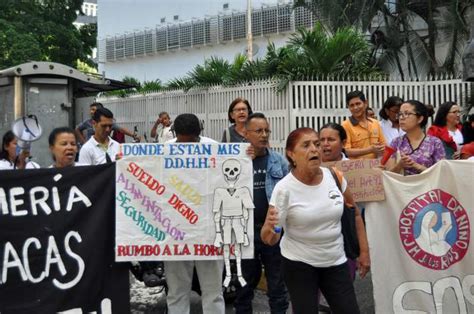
column 308, row 257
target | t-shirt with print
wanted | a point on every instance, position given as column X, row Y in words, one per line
column 312, row 224
column 259, row 195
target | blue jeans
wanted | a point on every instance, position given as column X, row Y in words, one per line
column 270, row 258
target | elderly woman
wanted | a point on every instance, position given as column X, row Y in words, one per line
column 447, row 128
column 238, row 112
column 63, row 147
column 9, row 159
column 416, row 151
column 312, row 243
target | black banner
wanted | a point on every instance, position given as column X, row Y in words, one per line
column 57, row 242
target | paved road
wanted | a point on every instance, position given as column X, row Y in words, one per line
column 152, row 300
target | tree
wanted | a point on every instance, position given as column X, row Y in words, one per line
column 446, row 22
column 308, row 54
column 43, row 31
column 318, row 53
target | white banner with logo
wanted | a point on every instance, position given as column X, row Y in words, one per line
column 421, row 244
column 183, row 201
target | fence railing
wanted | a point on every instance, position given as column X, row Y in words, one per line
column 311, row 103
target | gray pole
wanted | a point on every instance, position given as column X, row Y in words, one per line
column 249, row 31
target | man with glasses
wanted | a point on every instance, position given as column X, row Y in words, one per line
column 269, row 167
column 365, row 138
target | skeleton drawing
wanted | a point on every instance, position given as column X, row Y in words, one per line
column 231, row 213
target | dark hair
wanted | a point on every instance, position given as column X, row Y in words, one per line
column 443, row 110
column 338, row 128
column 420, row 109
column 234, row 103
column 96, row 104
column 163, row 113
column 55, row 132
column 102, row 112
column 467, row 130
column 293, row 138
column 8, row 137
column 392, row 101
column 255, row 115
column 187, row 124
column 355, row 94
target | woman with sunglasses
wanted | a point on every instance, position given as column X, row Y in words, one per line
column 416, row 151
column 447, row 128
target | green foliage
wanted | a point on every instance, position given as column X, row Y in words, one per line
column 308, row 54
column 43, row 31
column 446, row 22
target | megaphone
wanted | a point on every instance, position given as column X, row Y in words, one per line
column 27, row 130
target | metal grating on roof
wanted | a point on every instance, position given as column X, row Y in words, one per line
column 209, row 31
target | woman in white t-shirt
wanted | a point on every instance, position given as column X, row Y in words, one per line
column 9, row 160
column 63, row 146
column 312, row 244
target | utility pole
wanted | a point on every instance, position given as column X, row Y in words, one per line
column 249, row 31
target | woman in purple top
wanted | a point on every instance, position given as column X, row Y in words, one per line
column 416, row 150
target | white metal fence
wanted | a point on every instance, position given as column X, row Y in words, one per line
column 311, row 103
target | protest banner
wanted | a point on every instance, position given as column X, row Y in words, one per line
column 363, row 178
column 420, row 241
column 57, row 242
column 171, row 199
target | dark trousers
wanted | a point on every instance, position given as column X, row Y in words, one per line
column 270, row 258
column 304, row 280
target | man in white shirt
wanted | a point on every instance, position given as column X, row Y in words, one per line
column 179, row 274
column 100, row 148
column 161, row 131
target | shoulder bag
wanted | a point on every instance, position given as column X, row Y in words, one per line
column 348, row 224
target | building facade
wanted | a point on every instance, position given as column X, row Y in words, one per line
column 166, row 39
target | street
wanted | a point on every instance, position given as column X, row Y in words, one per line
column 152, row 300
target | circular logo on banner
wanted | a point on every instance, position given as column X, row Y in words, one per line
column 434, row 230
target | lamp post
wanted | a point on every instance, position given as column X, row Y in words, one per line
column 249, row 31
column 468, row 59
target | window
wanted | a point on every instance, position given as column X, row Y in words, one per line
column 119, row 47
column 173, row 37
column 110, row 49
column 269, row 20
column 129, row 49
column 163, row 20
column 148, row 42
column 185, row 35
column 161, row 40
column 176, row 17
column 139, row 44
column 225, row 6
